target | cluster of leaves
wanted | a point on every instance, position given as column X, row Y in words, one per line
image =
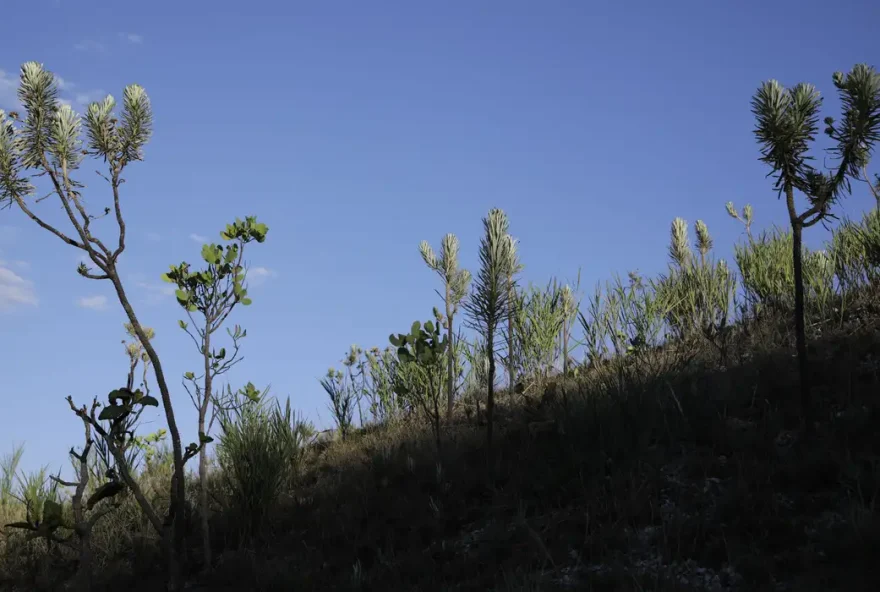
column 420, row 379
column 195, row 289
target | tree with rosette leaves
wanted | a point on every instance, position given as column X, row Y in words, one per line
column 45, row 147
column 455, row 283
column 786, row 126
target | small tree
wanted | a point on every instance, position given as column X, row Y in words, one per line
column 47, row 142
column 490, row 302
column 422, row 351
column 455, row 283
column 51, row 519
column 213, row 293
column 786, row 126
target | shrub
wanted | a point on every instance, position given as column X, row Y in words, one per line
column 259, row 453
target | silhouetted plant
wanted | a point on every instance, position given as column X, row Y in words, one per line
column 8, row 470
column 767, row 272
column 489, row 305
column 595, row 326
column 513, row 357
column 745, row 217
column 47, row 142
column 259, row 451
column 855, row 251
column 382, row 369
column 86, row 513
column 455, row 283
column 570, row 308
column 697, row 293
column 786, row 125
column 538, row 320
column 213, row 293
column 354, row 369
column 342, row 400
column 422, row 352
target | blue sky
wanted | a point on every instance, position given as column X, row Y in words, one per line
column 357, row 129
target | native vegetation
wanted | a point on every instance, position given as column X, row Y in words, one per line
column 654, row 433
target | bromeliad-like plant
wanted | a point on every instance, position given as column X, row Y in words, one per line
column 46, row 144
column 455, row 283
column 423, row 352
column 342, row 400
column 212, row 294
column 786, row 125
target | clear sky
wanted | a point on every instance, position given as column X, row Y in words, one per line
column 355, row 130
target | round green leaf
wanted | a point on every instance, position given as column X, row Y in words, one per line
column 111, row 412
column 149, row 401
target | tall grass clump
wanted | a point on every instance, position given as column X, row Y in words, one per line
column 538, row 319
column 260, row 453
column 767, row 271
column 855, row 251
column 8, row 470
column 698, row 292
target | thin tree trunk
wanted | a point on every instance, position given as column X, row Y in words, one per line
column 436, row 419
column 565, row 347
column 177, row 554
column 450, row 387
column 203, row 452
column 510, row 341
column 799, row 323
column 564, row 361
column 83, row 579
column 490, row 398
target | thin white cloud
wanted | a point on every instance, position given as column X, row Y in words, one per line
column 93, row 302
column 84, row 98
column 89, row 45
column 153, row 291
column 198, row 238
column 17, row 263
column 74, row 96
column 9, row 91
column 8, row 234
column 259, row 275
column 15, row 290
column 133, row 38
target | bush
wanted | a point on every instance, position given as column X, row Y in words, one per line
column 260, row 453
